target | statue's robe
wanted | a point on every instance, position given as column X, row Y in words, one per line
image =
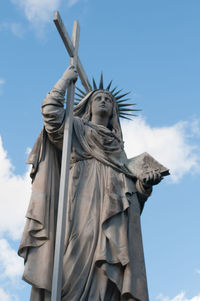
column 103, row 258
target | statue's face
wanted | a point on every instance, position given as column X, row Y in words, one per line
column 102, row 104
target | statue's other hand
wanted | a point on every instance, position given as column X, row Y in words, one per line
column 71, row 74
column 153, row 178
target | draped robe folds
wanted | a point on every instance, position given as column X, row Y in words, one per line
column 103, row 258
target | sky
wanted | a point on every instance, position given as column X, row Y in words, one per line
column 150, row 48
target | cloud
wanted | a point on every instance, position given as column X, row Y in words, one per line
column 38, row 12
column 72, row 2
column 4, row 296
column 171, row 145
column 198, row 272
column 2, row 83
column 180, row 297
column 16, row 28
column 14, row 197
column 11, row 265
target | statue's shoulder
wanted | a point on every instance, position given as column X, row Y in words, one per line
column 78, row 121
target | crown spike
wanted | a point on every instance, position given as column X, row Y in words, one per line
column 126, row 110
column 120, row 96
column 122, row 100
column 81, row 91
column 124, row 117
column 125, row 105
column 101, row 82
column 94, row 84
column 116, row 93
column 127, row 114
column 113, row 90
column 79, row 95
column 109, row 85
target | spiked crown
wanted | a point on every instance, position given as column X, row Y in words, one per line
column 123, row 107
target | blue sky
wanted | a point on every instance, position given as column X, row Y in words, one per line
column 150, row 48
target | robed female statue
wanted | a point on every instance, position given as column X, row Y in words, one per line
column 103, row 257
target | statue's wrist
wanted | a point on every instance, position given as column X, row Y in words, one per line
column 146, row 190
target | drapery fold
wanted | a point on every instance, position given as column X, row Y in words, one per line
column 103, row 235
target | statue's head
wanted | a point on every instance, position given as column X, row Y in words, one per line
column 102, row 103
column 107, row 102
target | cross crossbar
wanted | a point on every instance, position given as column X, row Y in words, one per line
column 70, row 48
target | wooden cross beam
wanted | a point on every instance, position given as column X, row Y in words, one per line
column 72, row 48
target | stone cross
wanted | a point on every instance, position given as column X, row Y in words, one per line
column 72, row 48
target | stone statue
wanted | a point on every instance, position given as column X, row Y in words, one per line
column 103, row 257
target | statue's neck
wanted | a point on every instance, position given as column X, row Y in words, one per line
column 100, row 120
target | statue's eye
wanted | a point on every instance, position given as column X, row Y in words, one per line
column 98, row 98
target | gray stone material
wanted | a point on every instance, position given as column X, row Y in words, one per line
column 103, row 253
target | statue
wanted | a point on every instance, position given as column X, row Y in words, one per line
column 103, row 257
column 103, row 252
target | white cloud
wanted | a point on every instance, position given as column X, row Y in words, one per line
column 11, row 265
column 4, row 296
column 198, row 272
column 38, row 11
column 72, row 2
column 2, row 81
column 14, row 197
column 180, row 297
column 16, row 28
column 171, row 145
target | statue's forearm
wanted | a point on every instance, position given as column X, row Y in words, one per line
column 53, row 106
column 56, row 97
column 62, row 84
column 53, row 111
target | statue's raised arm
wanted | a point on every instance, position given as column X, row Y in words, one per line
column 53, row 110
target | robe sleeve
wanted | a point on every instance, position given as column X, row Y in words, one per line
column 54, row 114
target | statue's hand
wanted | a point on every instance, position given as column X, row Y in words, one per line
column 153, row 178
column 70, row 74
